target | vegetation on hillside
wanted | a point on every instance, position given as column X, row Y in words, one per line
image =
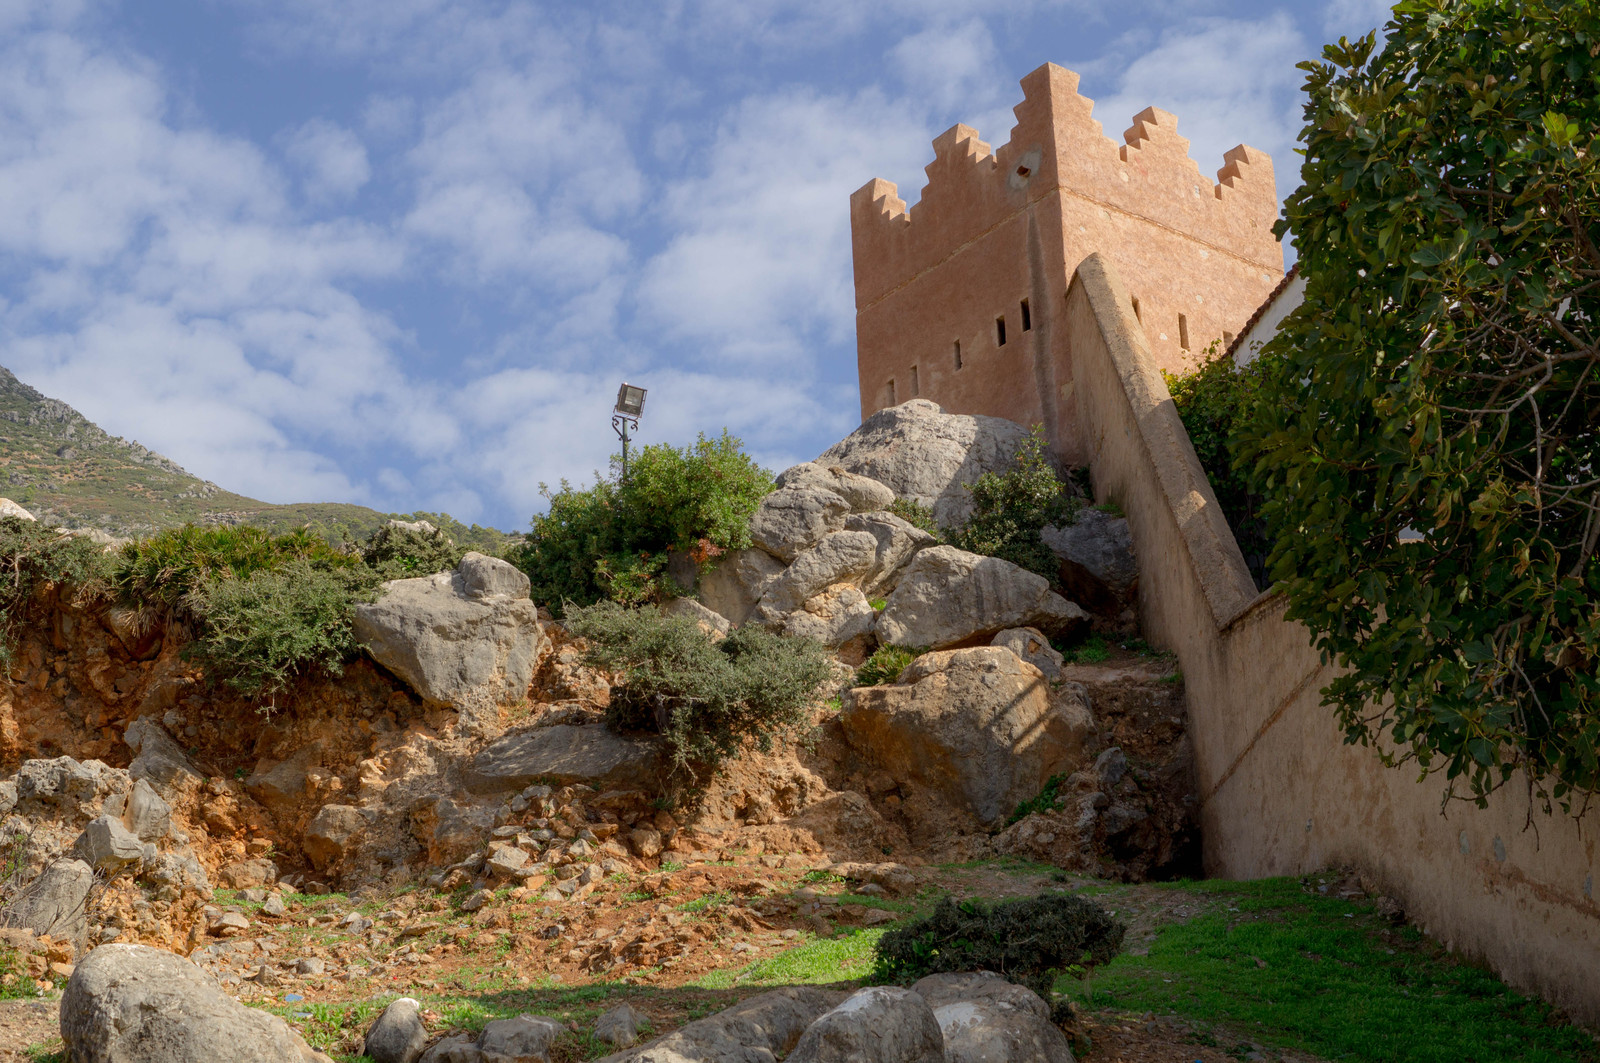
column 1441, row 378
column 708, row 699
column 1010, row 509
column 611, row 540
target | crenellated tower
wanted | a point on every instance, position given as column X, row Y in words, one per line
column 958, row 299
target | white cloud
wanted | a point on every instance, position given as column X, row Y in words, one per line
column 1229, row 81
column 332, row 160
column 950, row 65
column 1353, row 18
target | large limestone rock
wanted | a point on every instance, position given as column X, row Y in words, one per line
column 107, row 846
column 463, row 639
column 711, row 622
column 733, row 585
column 562, row 754
column 864, row 494
column 793, row 519
column 898, row 541
column 9, row 508
column 158, row 758
column 883, row 1024
column 842, row 557
column 986, row 1019
column 55, row 903
column 524, row 1039
column 947, row 597
column 839, row 615
column 397, row 1034
column 136, row 1004
column 1031, row 645
column 331, row 833
column 758, row 1030
column 1097, row 563
column 145, row 813
column 977, row 726
column 926, row 455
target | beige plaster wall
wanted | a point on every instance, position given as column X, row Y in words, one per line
column 1281, row 792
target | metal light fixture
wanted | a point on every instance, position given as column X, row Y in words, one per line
column 630, row 404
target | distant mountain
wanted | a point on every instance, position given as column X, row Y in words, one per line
column 69, row 471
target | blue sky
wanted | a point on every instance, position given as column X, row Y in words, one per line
column 402, row 252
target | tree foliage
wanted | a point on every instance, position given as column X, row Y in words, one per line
column 1443, row 377
column 611, row 540
column 33, row 554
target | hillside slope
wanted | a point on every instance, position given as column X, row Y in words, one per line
column 69, row 471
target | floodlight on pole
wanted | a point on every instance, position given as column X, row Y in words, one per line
column 630, row 404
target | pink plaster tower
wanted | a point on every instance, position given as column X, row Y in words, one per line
column 959, row 299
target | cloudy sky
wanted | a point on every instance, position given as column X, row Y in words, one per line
column 402, row 252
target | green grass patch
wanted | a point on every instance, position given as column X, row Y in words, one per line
column 707, row 902
column 817, row 962
column 1043, row 802
column 1312, row 973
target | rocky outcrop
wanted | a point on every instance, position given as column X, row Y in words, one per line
column 1031, row 645
column 332, row 832
column 158, row 758
column 977, row 726
column 842, row 557
column 882, row 1024
column 986, row 1019
column 55, row 903
column 949, row 597
column 563, row 753
column 1098, row 568
column 736, row 581
column 763, row 1027
column 898, row 541
column 462, row 639
column 864, row 494
column 926, row 455
column 711, row 622
column 793, row 519
column 838, row 616
column 132, row 1002
column 107, row 846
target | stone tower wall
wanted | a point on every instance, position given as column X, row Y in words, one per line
column 996, row 227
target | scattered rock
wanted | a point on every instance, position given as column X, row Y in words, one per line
column 926, row 455
column 397, row 1035
column 620, row 1026
column 54, row 903
column 864, row 494
column 242, row 874
column 457, row 1048
column 273, row 905
column 759, row 1029
column 158, row 757
column 475, row 900
column 1031, row 645
column 146, row 814
column 948, row 597
column 128, row 1003
column 457, row 638
column 331, row 833
column 107, row 846
column 506, row 862
column 712, row 623
column 732, row 584
column 976, row 726
column 794, row 519
column 645, row 842
column 563, row 754
column 882, row 1024
column 311, row 967
column 524, row 1039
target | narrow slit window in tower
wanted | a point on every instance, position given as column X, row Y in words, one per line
column 1136, row 313
column 915, row 388
column 1000, row 331
column 1183, row 332
column 958, row 354
column 1027, row 318
column 1227, row 340
column 888, row 389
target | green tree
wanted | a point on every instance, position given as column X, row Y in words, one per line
column 1010, row 509
column 1428, row 443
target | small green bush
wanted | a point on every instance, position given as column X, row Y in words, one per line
column 402, row 553
column 1011, row 509
column 885, row 665
column 611, row 540
column 708, row 699
column 1044, row 802
column 259, row 633
column 918, row 515
column 1030, row 942
column 169, row 565
column 33, row 553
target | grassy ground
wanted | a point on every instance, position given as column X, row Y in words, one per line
column 1274, row 970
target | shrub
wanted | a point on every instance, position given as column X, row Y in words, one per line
column 1010, row 509
column 885, row 665
column 32, row 554
column 610, row 540
column 917, row 515
column 402, row 553
column 707, row 699
column 1044, row 801
column 1214, row 400
column 1030, row 941
column 1439, row 380
column 169, row 565
column 258, row 633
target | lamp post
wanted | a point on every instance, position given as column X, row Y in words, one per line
column 630, row 404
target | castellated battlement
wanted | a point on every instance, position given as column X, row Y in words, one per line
column 959, row 296
column 1057, row 146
